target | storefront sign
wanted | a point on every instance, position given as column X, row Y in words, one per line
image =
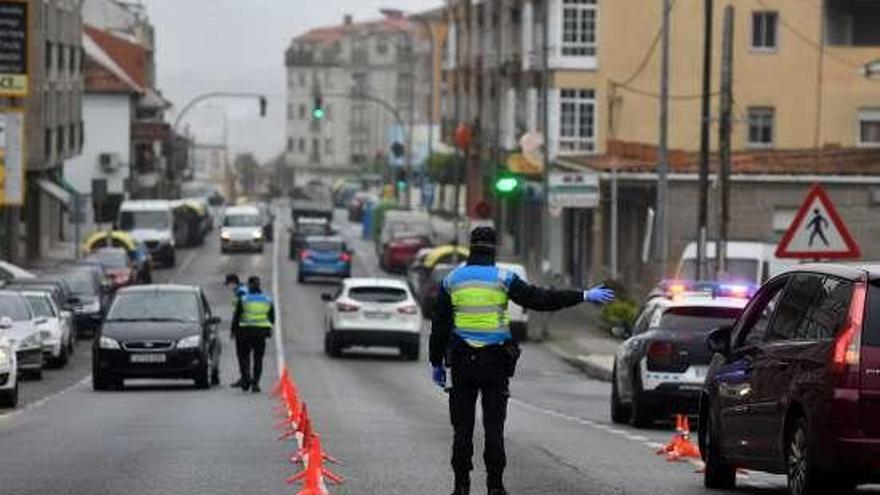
column 574, row 190
column 14, row 48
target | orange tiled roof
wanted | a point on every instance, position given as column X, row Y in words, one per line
column 330, row 34
column 131, row 57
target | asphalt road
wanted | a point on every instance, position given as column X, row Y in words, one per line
column 379, row 414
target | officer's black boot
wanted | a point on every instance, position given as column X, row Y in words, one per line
column 497, row 491
column 462, row 489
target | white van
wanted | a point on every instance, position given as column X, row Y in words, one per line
column 747, row 261
column 151, row 222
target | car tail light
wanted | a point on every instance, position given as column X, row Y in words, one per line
column 660, row 354
column 346, row 307
column 306, row 254
column 408, row 310
column 847, row 346
column 345, row 257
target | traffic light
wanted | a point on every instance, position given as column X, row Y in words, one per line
column 402, row 180
column 263, row 104
column 398, row 149
column 318, row 108
column 507, row 184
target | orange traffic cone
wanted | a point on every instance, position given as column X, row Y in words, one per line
column 683, row 448
column 315, row 475
column 282, row 379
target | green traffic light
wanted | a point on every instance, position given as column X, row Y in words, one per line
column 318, row 113
column 506, row 184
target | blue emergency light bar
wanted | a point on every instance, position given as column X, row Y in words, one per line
column 678, row 288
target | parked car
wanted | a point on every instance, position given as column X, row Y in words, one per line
column 137, row 251
column 659, row 369
column 242, row 230
column 405, row 223
column 311, row 208
column 794, row 384
column 89, row 298
column 306, row 227
column 8, row 272
column 371, row 312
column 56, row 289
column 19, row 327
column 324, row 256
column 117, row 264
column 8, row 374
column 398, row 252
column 55, row 330
column 419, row 271
column 151, row 222
column 157, row 331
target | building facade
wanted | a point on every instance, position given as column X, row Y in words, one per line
column 372, row 80
column 803, row 87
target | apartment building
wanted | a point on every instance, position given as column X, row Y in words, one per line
column 806, row 106
column 373, row 82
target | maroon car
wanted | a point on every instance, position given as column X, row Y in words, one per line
column 399, row 252
column 794, row 387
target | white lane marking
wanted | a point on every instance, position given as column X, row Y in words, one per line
column 276, row 291
column 42, row 402
column 185, row 265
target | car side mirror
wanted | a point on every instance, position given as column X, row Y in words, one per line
column 74, row 300
column 41, row 321
column 214, row 320
column 5, row 323
column 621, row 332
column 718, row 340
column 326, row 296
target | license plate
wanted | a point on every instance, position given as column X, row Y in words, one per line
column 377, row 315
column 148, row 358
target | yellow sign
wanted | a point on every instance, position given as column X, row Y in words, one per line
column 13, row 85
column 523, row 164
column 12, row 156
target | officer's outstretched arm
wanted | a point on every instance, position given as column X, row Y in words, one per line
column 441, row 327
column 540, row 298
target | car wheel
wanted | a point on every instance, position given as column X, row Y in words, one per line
column 300, row 278
column 215, row 376
column 99, row 382
column 331, row 345
column 410, row 351
column 203, row 375
column 619, row 413
column 640, row 414
column 62, row 359
column 718, row 474
column 9, row 398
column 171, row 261
column 801, row 469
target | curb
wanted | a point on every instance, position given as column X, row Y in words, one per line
column 582, row 363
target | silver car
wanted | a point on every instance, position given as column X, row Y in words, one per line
column 8, row 375
column 21, row 328
column 55, row 331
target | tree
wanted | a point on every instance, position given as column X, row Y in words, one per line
column 247, row 168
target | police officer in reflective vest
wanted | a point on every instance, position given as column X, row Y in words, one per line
column 238, row 290
column 253, row 321
column 471, row 334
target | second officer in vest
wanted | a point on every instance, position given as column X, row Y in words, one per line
column 471, row 334
column 252, row 323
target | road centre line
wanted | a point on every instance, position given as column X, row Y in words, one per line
column 276, row 293
column 43, row 401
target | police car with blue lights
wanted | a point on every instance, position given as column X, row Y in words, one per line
column 660, row 367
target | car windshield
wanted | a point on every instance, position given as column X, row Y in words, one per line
column 386, row 295
column 155, row 220
column 320, row 245
column 81, row 282
column 15, row 307
column 696, row 319
column 154, row 306
column 241, row 221
column 311, row 229
column 111, row 258
column 739, row 269
column 41, row 306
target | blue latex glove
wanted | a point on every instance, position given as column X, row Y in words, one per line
column 439, row 376
column 599, row 295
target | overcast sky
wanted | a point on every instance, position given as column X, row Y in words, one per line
column 238, row 45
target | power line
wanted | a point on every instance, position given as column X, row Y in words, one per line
column 651, row 94
column 649, row 54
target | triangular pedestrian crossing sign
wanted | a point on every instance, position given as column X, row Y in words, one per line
column 817, row 231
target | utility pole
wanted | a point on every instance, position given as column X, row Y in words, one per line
column 724, row 140
column 408, row 202
column 705, row 121
column 545, row 124
column 662, row 244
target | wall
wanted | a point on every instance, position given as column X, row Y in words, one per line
column 107, row 130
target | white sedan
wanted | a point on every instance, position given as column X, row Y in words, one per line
column 372, row 312
column 8, row 375
column 54, row 328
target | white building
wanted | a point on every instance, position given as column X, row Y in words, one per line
column 349, row 67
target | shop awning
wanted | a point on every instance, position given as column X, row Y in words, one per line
column 60, row 194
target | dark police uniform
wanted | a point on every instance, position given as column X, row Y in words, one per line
column 252, row 323
column 471, row 333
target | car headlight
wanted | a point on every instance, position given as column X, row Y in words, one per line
column 225, row 235
column 32, row 340
column 5, row 357
column 45, row 334
column 108, row 343
column 258, row 234
column 92, row 307
column 190, row 342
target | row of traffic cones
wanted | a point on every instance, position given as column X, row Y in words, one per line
column 680, row 447
column 294, row 424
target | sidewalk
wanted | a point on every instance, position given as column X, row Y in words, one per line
column 578, row 338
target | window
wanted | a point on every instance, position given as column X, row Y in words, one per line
column 381, row 46
column 59, row 137
column 290, row 145
column 290, row 111
column 579, row 27
column 61, row 51
column 799, row 299
column 753, row 326
column 302, row 145
column 761, row 122
column 828, row 312
column 327, row 113
column 302, row 112
column 50, row 55
column 764, row 30
column 577, row 130
column 71, row 137
column 869, row 128
column 302, row 79
column 328, row 146
column 72, row 60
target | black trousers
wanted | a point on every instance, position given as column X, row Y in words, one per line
column 246, row 345
column 483, row 374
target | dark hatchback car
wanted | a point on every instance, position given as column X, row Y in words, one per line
column 794, row 386
column 304, row 228
column 89, row 296
column 157, row 331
